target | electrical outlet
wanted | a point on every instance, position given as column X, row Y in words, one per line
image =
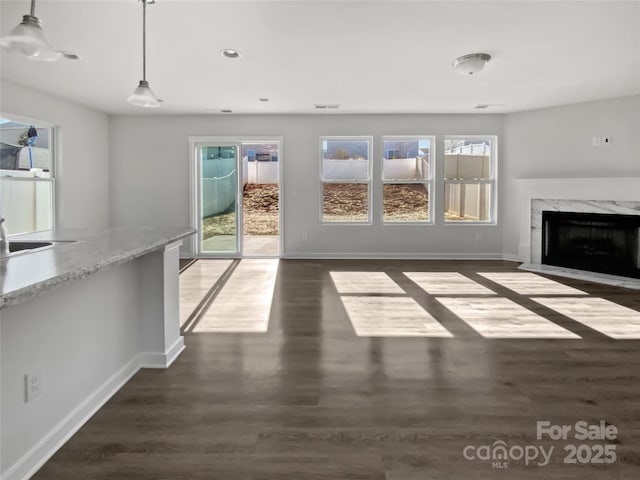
column 33, row 385
column 601, row 141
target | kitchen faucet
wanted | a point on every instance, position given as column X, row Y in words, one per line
column 4, row 239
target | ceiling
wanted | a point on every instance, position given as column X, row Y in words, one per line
column 366, row 56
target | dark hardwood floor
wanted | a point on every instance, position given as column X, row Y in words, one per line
column 186, row 263
column 311, row 400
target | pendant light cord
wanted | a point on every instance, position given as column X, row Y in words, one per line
column 144, row 40
column 33, row 8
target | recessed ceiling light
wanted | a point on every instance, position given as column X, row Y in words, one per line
column 230, row 53
column 264, row 99
column 472, row 63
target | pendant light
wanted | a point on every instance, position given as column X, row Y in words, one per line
column 29, row 39
column 143, row 96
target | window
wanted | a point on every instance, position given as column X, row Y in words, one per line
column 26, row 175
column 346, row 179
column 407, row 176
column 469, row 179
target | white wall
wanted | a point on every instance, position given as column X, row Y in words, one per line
column 87, row 339
column 77, row 346
column 83, row 153
column 150, row 184
column 138, row 166
column 557, row 143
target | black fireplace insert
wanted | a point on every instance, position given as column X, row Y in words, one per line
column 597, row 242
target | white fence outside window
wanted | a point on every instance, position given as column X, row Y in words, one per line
column 218, row 186
column 348, row 169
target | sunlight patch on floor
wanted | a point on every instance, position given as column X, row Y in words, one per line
column 526, row 283
column 609, row 318
column 447, row 283
column 195, row 283
column 503, row 318
column 391, row 317
column 244, row 303
column 365, row 282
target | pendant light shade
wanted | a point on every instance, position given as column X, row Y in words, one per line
column 143, row 96
column 29, row 39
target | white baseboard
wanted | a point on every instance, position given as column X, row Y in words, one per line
column 162, row 360
column 524, row 251
column 58, row 436
column 29, row 464
column 394, row 256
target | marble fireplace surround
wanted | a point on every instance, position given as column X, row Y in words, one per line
column 592, row 195
column 579, row 206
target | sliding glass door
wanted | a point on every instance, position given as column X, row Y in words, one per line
column 219, row 209
column 235, row 196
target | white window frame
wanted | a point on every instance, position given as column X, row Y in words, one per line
column 430, row 183
column 362, row 138
column 23, row 176
column 493, row 168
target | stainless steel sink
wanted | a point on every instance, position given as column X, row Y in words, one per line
column 22, row 247
column 19, row 246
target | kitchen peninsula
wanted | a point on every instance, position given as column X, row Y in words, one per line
column 82, row 316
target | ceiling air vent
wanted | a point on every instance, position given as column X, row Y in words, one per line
column 225, row 110
column 320, row 106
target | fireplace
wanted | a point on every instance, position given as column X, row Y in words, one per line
column 597, row 242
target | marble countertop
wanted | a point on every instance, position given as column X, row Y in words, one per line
column 76, row 255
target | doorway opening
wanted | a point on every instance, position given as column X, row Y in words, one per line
column 261, row 199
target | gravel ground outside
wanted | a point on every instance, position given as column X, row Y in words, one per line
column 342, row 202
column 345, row 202
column 406, row 202
column 260, row 213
